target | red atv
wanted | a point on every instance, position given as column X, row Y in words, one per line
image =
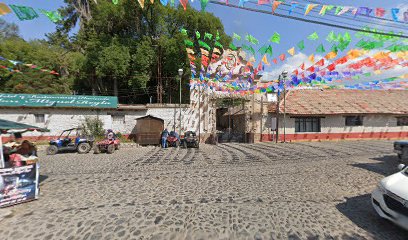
column 173, row 140
column 108, row 145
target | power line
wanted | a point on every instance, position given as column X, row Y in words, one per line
column 308, row 20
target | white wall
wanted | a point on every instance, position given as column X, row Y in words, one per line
column 57, row 120
column 336, row 124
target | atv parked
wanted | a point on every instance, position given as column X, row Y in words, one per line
column 64, row 143
column 173, row 140
column 108, row 145
column 190, row 140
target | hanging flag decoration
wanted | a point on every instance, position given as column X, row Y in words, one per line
column 282, row 57
column 301, row 45
column 208, row 36
column 338, row 10
column 312, row 58
column 313, row 36
column 343, row 11
column 24, row 13
column 331, row 55
column 265, row 60
column 275, row 5
column 309, row 8
column 379, row 12
column 266, row 50
column 4, row 9
column 251, row 39
column 325, row 8
column 164, row 2
column 320, row 49
column 236, row 36
column 291, row 51
column 182, row 2
column 115, row 2
column 275, row 38
column 203, row 4
column 249, row 48
column 232, row 47
column 394, row 12
column 293, row 7
column 141, row 3
column 262, row 2
column 275, row 61
column 54, row 16
column 204, row 45
column 331, row 37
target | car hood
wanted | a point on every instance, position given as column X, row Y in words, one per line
column 401, row 142
column 397, row 184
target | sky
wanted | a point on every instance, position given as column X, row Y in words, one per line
column 242, row 22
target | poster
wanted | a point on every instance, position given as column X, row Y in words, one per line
column 18, row 184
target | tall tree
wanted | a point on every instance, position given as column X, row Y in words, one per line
column 8, row 30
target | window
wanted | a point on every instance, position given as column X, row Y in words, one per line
column 307, row 124
column 402, row 121
column 39, row 118
column 118, row 119
column 354, row 121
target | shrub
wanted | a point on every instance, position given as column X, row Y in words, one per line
column 93, row 127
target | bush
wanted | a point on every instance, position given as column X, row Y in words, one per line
column 93, row 127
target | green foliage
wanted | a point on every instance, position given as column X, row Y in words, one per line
column 8, row 30
column 93, row 127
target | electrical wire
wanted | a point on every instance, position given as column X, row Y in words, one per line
column 308, row 20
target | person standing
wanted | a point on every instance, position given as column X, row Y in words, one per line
column 164, row 136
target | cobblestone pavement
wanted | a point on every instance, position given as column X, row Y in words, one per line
column 230, row 191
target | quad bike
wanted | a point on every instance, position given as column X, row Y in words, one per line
column 190, row 140
column 107, row 145
column 80, row 144
column 173, row 139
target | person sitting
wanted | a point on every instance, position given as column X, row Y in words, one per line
column 26, row 150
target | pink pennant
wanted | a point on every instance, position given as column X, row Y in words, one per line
column 184, row 4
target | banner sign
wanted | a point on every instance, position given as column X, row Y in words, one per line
column 44, row 100
column 18, row 184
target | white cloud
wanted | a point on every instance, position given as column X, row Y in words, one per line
column 290, row 65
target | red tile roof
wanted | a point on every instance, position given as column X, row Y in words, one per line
column 335, row 101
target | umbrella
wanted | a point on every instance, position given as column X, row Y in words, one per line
column 9, row 126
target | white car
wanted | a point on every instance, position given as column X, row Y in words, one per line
column 390, row 198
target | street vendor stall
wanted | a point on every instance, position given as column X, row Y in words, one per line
column 19, row 173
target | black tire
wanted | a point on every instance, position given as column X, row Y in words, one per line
column 404, row 155
column 177, row 144
column 83, row 148
column 97, row 150
column 117, row 147
column 185, row 144
column 110, row 149
column 197, row 145
column 52, row 150
column 400, row 156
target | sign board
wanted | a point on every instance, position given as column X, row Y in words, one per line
column 273, row 124
column 45, row 100
column 18, row 184
column 272, row 97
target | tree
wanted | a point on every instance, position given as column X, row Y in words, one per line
column 150, row 36
column 8, row 30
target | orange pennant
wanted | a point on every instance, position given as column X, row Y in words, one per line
column 275, row 5
column 311, row 58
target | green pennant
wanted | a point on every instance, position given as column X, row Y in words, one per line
column 217, row 36
column 347, row 37
column 217, row 44
column 183, row 31
column 232, row 47
column 54, row 16
column 208, row 36
column 313, row 36
column 334, row 48
column 331, row 37
column 204, row 45
column 251, row 39
column 188, row 43
column 249, row 48
column 338, row 10
column 301, row 45
column 275, row 38
column 203, row 4
column 236, row 36
column 269, row 51
column 320, row 49
column 263, row 50
column 367, row 74
column 198, row 35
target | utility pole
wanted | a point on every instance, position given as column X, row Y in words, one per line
column 261, row 117
column 159, row 79
column 180, row 72
column 277, row 115
column 199, row 112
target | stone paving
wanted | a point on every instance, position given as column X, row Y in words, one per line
column 229, row 191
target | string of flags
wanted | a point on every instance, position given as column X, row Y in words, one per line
column 29, row 65
column 28, row 13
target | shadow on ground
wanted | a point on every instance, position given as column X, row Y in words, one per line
column 385, row 166
column 42, row 178
column 359, row 210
